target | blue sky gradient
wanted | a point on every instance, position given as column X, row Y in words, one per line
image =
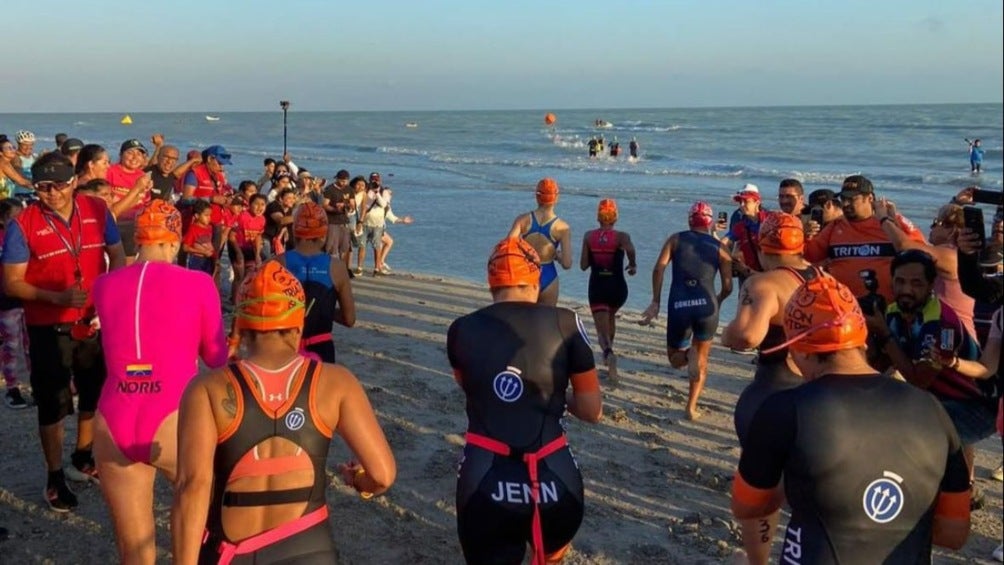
column 186, row 55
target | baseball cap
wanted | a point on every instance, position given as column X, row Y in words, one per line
column 856, row 184
column 52, row 167
column 270, row 299
column 70, row 146
column 513, row 262
column 218, row 153
column 374, row 175
column 547, row 191
column 821, row 197
column 132, row 144
column 749, row 191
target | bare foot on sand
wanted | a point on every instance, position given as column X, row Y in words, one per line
column 693, row 414
column 612, row 368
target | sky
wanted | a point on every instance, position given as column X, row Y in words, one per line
column 381, row 55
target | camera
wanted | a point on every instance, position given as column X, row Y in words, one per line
column 873, row 301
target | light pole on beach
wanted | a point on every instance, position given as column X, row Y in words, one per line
column 284, row 104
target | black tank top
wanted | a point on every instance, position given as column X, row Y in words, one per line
column 775, row 333
column 295, row 425
column 694, row 266
column 515, row 360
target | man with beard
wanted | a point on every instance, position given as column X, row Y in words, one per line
column 855, row 244
column 928, row 344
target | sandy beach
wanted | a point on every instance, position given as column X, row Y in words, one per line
column 657, row 485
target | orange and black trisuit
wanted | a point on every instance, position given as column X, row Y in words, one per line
column 306, row 540
column 868, row 461
column 772, row 371
column 518, row 481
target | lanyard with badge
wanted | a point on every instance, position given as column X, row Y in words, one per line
column 81, row 329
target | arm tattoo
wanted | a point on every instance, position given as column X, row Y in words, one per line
column 229, row 403
column 744, row 297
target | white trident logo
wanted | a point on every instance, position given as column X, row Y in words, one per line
column 883, row 498
column 507, row 385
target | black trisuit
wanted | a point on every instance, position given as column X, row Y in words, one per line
column 515, row 361
column 864, row 460
column 312, row 542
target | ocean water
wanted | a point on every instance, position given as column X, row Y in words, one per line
column 464, row 176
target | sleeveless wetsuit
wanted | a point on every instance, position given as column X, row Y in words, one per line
column 607, row 288
column 693, row 302
column 515, row 361
column 772, row 371
column 548, row 272
column 157, row 319
column 314, row 273
column 304, row 541
column 864, row 459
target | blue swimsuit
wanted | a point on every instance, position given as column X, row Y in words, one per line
column 548, row 272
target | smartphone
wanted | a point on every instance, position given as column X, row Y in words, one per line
column 947, row 339
column 992, row 197
column 816, row 215
column 972, row 217
column 723, row 217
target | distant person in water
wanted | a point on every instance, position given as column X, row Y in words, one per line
column 615, row 148
column 593, row 147
column 975, row 156
column 633, row 148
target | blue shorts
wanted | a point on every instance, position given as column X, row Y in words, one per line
column 548, row 274
column 374, row 236
column 688, row 316
column 973, row 419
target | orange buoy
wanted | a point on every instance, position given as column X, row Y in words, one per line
column 550, row 118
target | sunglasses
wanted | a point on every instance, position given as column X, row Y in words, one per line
column 47, row 186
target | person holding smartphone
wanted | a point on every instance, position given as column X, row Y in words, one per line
column 945, row 230
column 928, row 345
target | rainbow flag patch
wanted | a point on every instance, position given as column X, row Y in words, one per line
column 139, row 371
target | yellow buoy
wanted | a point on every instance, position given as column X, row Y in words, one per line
column 126, row 120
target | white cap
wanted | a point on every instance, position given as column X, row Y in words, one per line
column 749, row 190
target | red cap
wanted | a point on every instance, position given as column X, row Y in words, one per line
column 700, row 215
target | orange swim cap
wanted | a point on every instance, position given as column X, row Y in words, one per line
column 547, row 191
column 513, row 262
column 271, row 299
column 158, row 222
column 606, row 212
column 311, row 222
column 823, row 316
column 782, row 234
